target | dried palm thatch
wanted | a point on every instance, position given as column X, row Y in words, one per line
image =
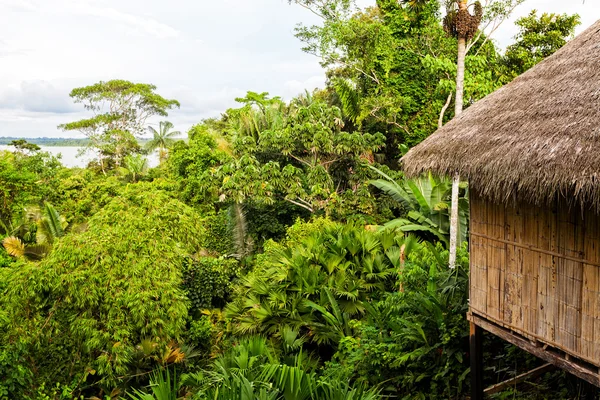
column 534, row 139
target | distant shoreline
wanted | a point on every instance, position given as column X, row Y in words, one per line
column 54, row 142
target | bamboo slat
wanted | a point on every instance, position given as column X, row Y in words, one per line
column 536, row 270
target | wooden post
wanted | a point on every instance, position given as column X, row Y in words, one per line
column 475, row 339
column 588, row 391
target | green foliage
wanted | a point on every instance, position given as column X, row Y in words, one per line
column 539, row 37
column 16, row 189
column 88, row 304
column 162, row 139
column 15, row 377
column 84, row 193
column 23, row 146
column 163, row 386
column 259, row 113
column 50, row 225
column 271, row 221
column 217, row 238
column 25, row 179
column 304, row 157
column 194, row 163
column 120, row 110
column 208, row 281
column 201, row 333
column 252, row 370
column 317, row 285
column 374, row 60
column 415, row 340
column 136, row 166
column 5, row 259
column 426, row 202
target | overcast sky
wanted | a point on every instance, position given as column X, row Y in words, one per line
column 203, row 53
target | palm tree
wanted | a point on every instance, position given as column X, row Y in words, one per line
column 317, row 286
column 461, row 24
column 51, row 225
column 15, row 247
column 162, row 139
column 253, row 370
column 259, row 113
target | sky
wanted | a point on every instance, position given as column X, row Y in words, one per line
column 204, row 53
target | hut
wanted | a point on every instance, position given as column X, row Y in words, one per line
column 531, row 154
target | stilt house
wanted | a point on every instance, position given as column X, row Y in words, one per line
column 531, row 154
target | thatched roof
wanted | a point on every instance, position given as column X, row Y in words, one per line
column 535, row 138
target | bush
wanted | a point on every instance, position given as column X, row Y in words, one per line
column 80, row 313
column 316, row 282
column 218, row 237
column 208, row 282
column 5, row 260
column 415, row 340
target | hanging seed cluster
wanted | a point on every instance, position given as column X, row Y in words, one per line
column 460, row 23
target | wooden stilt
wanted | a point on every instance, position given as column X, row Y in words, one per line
column 588, row 391
column 476, row 336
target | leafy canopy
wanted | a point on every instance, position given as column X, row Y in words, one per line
column 101, row 292
column 120, row 109
column 303, row 157
column 538, row 37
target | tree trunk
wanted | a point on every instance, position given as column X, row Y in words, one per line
column 460, row 88
column 460, row 76
column 101, row 162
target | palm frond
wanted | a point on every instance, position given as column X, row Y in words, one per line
column 14, row 246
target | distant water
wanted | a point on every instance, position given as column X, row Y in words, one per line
column 70, row 159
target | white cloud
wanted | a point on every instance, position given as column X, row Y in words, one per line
column 202, row 52
column 294, row 87
column 138, row 23
column 36, row 97
column 75, row 8
column 6, row 50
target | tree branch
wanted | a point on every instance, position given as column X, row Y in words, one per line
column 301, row 205
column 311, row 10
column 446, row 105
column 300, row 160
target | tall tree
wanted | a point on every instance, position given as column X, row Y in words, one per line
column 162, row 139
column 465, row 26
column 23, row 146
column 460, row 23
column 539, row 37
column 120, row 110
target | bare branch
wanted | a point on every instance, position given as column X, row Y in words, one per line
column 301, row 205
column 446, row 105
column 311, row 10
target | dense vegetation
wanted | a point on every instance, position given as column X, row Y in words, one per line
column 276, row 253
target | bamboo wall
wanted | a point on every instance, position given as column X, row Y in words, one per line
column 536, row 271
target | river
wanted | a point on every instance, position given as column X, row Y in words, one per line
column 70, row 159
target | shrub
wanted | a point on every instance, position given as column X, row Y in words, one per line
column 415, row 340
column 208, row 281
column 80, row 313
column 315, row 282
